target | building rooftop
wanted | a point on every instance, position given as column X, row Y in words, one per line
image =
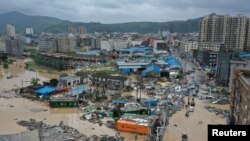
column 91, row 52
column 137, row 49
column 69, row 78
column 110, row 77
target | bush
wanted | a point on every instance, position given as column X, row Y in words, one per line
column 54, row 82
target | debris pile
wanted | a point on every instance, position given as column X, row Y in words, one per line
column 94, row 113
column 62, row 132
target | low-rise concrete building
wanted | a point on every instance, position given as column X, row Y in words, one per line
column 70, row 80
column 108, row 82
column 237, row 64
column 240, row 97
column 14, row 46
column 160, row 46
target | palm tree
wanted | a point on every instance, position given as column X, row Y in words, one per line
column 34, row 81
column 6, row 66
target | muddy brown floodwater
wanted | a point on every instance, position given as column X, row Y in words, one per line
column 195, row 125
column 13, row 109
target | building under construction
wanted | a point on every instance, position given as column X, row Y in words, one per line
column 56, row 60
column 63, row 61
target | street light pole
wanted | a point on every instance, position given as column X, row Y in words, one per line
column 157, row 132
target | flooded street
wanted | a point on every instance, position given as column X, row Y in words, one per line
column 195, row 125
column 14, row 109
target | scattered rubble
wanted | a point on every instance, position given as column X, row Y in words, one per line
column 219, row 112
column 62, row 132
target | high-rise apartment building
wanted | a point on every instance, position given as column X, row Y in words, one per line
column 2, row 46
column 14, row 46
column 231, row 31
column 29, row 31
column 247, row 41
column 46, row 44
column 65, row 44
column 72, row 30
column 10, row 30
column 82, row 32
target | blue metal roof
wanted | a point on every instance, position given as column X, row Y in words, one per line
column 140, row 49
column 173, row 63
column 78, row 90
column 244, row 55
column 45, row 90
column 151, row 68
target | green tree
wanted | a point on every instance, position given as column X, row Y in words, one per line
column 54, row 82
column 34, row 81
column 5, row 65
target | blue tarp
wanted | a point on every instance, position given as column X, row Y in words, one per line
column 173, row 63
column 151, row 68
column 78, row 90
column 45, row 90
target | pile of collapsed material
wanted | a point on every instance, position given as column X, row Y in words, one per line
column 219, row 112
column 62, row 132
column 94, row 113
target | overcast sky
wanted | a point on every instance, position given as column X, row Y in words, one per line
column 116, row 11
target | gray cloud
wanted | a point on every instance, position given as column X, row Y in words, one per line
column 110, row 11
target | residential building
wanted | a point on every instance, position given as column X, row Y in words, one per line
column 65, row 44
column 105, row 45
column 29, row 31
column 247, row 41
column 113, row 84
column 237, row 64
column 113, row 44
column 72, row 30
column 96, row 43
column 207, row 58
column 120, row 43
column 82, row 32
column 46, row 44
column 233, row 32
column 213, row 46
column 2, row 46
column 240, row 97
column 10, row 30
column 236, row 33
column 190, row 45
column 223, row 67
column 14, row 46
column 213, row 28
column 160, row 46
